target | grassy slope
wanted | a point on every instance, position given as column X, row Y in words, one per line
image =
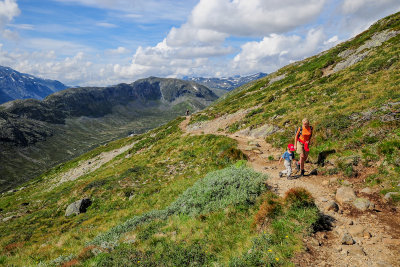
column 337, row 106
column 169, row 163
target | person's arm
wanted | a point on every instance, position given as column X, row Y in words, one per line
column 296, row 138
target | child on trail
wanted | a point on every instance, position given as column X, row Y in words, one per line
column 288, row 156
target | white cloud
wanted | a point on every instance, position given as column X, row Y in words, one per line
column 106, row 25
column 119, row 50
column 360, row 14
column 365, row 6
column 332, row 41
column 277, row 50
column 143, row 10
column 22, row 26
column 254, row 17
column 8, row 10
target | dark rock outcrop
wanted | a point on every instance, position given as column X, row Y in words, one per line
column 78, row 207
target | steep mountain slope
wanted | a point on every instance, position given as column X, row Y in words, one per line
column 16, row 85
column 350, row 94
column 35, row 135
column 229, row 83
column 171, row 196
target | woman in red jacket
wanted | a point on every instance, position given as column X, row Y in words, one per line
column 302, row 141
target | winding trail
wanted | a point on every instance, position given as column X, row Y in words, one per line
column 376, row 233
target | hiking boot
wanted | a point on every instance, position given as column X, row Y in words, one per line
column 302, row 173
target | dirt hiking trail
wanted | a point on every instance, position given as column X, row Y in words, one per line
column 375, row 233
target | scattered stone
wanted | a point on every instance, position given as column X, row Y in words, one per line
column 332, row 206
column 257, row 151
column 332, row 180
column 325, row 182
column 366, row 190
column 347, row 183
column 367, row 235
column 260, row 132
column 9, row 218
column 356, row 230
column 347, row 239
column 356, row 250
column 324, row 199
column 22, row 188
column 389, row 195
column 277, row 78
column 345, row 195
column 362, row 204
column 252, row 143
column 78, row 207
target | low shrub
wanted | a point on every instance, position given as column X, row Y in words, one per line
column 298, row 197
column 269, row 208
column 219, row 189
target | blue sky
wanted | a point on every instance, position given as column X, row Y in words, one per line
column 103, row 42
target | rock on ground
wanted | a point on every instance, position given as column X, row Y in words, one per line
column 78, row 207
column 389, row 195
column 345, row 195
column 362, row 204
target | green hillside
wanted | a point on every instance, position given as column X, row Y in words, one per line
column 171, row 198
column 355, row 110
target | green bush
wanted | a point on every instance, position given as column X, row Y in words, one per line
column 230, row 186
column 219, row 189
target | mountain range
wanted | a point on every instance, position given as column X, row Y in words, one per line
column 36, row 134
column 228, row 84
column 16, row 85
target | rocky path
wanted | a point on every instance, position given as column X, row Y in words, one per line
column 357, row 238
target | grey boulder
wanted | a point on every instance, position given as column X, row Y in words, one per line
column 345, row 195
column 78, row 207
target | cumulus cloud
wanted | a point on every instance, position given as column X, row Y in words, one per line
column 360, row 14
column 211, row 22
column 254, row 17
column 277, row 50
column 8, row 10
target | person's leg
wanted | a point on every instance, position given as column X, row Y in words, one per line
column 288, row 166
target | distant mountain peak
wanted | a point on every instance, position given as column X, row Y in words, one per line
column 226, row 83
column 16, row 85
